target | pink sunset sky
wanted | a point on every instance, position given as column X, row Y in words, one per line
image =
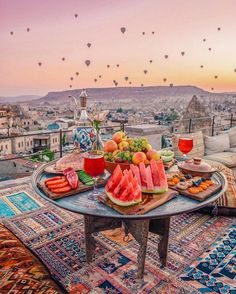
column 55, row 32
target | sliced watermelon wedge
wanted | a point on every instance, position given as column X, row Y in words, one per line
column 153, row 177
column 115, row 179
column 125, row 193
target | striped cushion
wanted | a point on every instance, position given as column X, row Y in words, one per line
column 228, row 199
column 198, row 144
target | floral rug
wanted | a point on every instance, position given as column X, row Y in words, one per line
column 56, row 237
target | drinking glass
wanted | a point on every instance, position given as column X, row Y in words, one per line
column 94, row 165
column 185, row 145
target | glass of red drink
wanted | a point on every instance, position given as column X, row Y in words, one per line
column 185, row 145
column 94, row 165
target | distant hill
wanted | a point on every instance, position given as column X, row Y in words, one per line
column 15, row 99
column 124, row 93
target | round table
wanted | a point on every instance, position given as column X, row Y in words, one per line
column 99, row 217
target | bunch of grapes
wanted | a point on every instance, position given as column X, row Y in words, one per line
column 138, row 144
column 108, row 156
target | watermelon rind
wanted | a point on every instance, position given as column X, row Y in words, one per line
column 120, row 202
column 155, row 190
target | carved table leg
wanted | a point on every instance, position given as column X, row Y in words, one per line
column 161, row 227
column 89, row 240
column 139, row 230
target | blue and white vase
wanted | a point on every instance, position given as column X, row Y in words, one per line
column 84, row 138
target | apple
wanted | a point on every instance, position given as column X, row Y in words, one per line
column 153, row 154
column 148, row 147
column 118, row 137
column 139, row 157
column 110, row 146
column 123, row 145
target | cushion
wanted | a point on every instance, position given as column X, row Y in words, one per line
column 198, row 144
column 216, row 144
column 20, row 270
column 227, row 158
column 233, row 149
column 232, row 137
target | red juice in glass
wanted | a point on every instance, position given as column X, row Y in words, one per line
column 94, row 164
column 185, row 145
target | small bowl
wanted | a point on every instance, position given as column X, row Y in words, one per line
column 196, row 168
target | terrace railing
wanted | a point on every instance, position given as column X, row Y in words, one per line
column 213, row 126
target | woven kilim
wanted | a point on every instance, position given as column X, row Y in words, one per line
column 57, row 238
column 18, row 200
column 215, row 270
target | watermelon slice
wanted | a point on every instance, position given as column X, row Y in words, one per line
column 153, row 177
column 115, row 179
column 136, row 173
column 150, row 185
column 142, row 170
column 125, row 192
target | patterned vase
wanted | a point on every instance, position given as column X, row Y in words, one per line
column 84, row 138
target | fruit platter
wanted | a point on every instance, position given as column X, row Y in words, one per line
column 196, row 187
column 124, row 151
column 139, row 189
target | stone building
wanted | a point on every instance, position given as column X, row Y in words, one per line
column 195, row 117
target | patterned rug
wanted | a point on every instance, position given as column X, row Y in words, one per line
column 215, row 270
column 56, row 237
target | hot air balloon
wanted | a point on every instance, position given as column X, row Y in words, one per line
column 76, row 15
column 182, row 53
column 212, row 89
column 87, row 62
column 117, row 65
column 71, row 78
column 164, row 79
column 95, row 80
column 63, row 59
column 99, row 76
column 209, row 49
column 145, row 71
column 204, row 40
column 116, row 84
column 39, row 63
column 153, row 33
column 126, row 78
column 201, row 66
column 143, row 33
column 235, row 70
column 130, row 82
column 218, row 28
column 108, row 66
column 216, row 77
column 89, row 45
column 123, row 29
column 11, row 33
column 141, row 85
column 150, row 61
column 166, row 56
column 77, row 73
column 70, row 86
column 28, row 29
column 171, row 85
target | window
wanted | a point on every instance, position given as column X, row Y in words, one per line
column 1, row 148
column 6, row 147
column 31, row 143
column 27, row 144
column 19, row 144
column 22, row 144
